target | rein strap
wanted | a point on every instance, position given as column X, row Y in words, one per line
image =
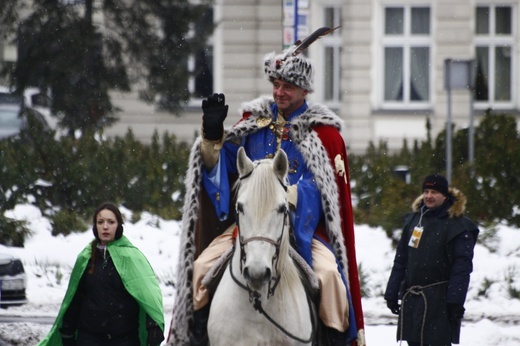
column 254, row 298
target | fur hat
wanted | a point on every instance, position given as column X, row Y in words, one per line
column 296, row 70
column 436, row 182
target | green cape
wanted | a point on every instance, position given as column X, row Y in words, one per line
column 137, row 276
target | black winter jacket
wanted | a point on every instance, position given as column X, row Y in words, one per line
column 434, row 274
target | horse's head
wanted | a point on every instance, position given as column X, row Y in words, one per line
column 262, row 218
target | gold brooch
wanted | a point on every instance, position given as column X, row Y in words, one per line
column 263, row 121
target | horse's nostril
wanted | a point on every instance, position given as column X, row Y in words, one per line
column 267, row 275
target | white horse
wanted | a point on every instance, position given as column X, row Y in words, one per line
column 261, row 299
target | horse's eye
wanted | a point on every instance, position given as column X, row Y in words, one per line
column 240, row 208
column 282, row 209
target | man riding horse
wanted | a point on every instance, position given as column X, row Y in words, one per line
column 319, row 197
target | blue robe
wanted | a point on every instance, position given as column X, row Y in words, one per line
column 260, row 145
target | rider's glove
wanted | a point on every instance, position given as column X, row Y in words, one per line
column 214, row 111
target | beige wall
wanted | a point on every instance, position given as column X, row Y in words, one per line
column 249, row 29
column 356, row 108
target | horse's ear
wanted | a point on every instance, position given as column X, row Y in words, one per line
column 281, row 164
column 244, row 163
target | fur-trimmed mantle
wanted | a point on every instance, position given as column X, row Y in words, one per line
column 315, row 155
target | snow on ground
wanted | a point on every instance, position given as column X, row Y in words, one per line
column 492, row 316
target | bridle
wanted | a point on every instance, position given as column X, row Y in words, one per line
column 254, row 296
column 275, row 279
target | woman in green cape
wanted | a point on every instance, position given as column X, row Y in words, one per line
column 113, row 297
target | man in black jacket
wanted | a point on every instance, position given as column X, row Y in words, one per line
column 432, row 266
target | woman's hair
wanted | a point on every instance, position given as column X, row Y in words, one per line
column 119, row 230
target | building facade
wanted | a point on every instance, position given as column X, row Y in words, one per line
column 383, row 71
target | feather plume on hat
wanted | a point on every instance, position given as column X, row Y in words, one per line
column 291, row 66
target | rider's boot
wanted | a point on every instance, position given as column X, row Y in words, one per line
column 335, row 337
column 199, row 327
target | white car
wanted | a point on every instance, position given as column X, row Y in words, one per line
column 13, row 281
column 13, row 120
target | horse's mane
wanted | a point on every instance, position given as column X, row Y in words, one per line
column 264, row 186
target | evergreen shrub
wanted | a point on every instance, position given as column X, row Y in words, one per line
column 68, row 177
column 491, row 184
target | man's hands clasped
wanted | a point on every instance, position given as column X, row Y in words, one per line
column 214, row 111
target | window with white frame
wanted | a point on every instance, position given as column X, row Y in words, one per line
column 494, row 49
column 332, row 55
column 406, row 55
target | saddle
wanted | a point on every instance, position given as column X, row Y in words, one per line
column 309, row 280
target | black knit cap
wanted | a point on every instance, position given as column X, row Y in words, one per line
column 436, row 182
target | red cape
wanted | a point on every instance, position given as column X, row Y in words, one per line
column 336, row 146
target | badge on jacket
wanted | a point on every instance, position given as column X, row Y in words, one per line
column 416, row 237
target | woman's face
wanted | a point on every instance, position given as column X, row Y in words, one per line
column 106, row 225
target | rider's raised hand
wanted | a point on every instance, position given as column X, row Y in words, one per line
column 214, row 111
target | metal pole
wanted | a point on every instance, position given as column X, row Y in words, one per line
column 296, row 21
column 448, row 126
column 471, row 134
